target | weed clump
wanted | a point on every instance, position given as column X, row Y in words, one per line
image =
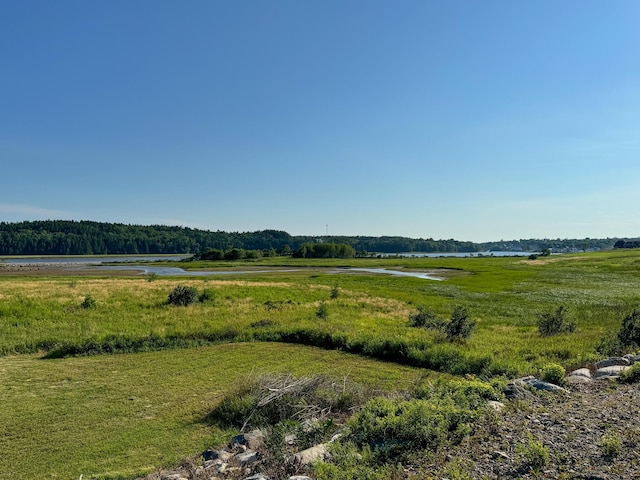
column 631, row 375
column 553, row 373
column 534, row 454
column 88, row 302
column 322, row 312
column 183, row 295
column 555, row 322
column 425, row 318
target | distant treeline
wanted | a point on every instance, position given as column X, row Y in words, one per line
column 67, row 237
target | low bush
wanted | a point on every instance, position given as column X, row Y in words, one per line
column 322, row 312
column 629, row 334
column 631, row 375
column 533, row 454
column 460, row 326
column 425, row 318
column 553, row 373
column 611, row 444
column 183, row 295
column 88, row 302
column 555, row 322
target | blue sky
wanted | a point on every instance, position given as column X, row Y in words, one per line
column 446, row 119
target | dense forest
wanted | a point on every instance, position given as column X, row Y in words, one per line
column 67, row 237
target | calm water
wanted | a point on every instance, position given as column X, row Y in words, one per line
column 94, row 260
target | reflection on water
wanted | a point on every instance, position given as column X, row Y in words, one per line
column 426, row 276
column 175, row 271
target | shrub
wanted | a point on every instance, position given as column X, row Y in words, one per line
column 425, row 318
column 556, row 322
column 88, row 302
column 183, row 295
column 322, row 312
column 629, row 334
column 553, row 373
column 460, row 326
column 611, row 444
column 631, row 375
column 207, row 296
column 534, row 454
column 394, row 426
column 334, row 293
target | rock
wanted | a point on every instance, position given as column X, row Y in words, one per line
column 257, row 476
column 172, row 476
column 574, row 379
column 612, row 361
column 211, row 454
column 305, row 457
column 632, row 358
column 517, row 392
column 581, row 372
column 611, row 371
column 546, row 386
column 247, row 458
column 252, row 440
column 497, row 406
column 299, row 477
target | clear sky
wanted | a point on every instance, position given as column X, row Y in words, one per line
column 473, row 120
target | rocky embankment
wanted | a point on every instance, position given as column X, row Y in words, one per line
column 587, row 429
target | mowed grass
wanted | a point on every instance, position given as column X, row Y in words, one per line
column 504, row 295
column 122, row 416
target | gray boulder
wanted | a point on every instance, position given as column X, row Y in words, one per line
column 581, row 372
column 612, row 361
column 612, row 371
column 305, row 457
column 252, row 440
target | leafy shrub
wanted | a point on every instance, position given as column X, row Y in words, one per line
column 88, row 302
column 322, row 312
column 393, row 425
column 183, row 295
column 207, row 296
column 334, row 292
column 460, row 326
column 611, row 444
column 425, row 318
column 629, row 334
column 534, row 454
column 555, row 322
column 631, row 375
column 553, row 373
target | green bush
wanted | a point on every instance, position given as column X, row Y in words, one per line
column 425, row 318
column 631, row 375
column 183, row 295
column 629, row 334
column 555, row 322
column 88, row 302
column 322, row 312
column 611, row 444
column 460, row 326
column 534, row 454
column 207, row 296
column 393, row 426
column 553, row 373
column 335, row 293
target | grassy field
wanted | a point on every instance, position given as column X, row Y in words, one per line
column 121, row 416
column 116, row 416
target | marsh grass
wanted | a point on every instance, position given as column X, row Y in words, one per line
column 506, row 296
